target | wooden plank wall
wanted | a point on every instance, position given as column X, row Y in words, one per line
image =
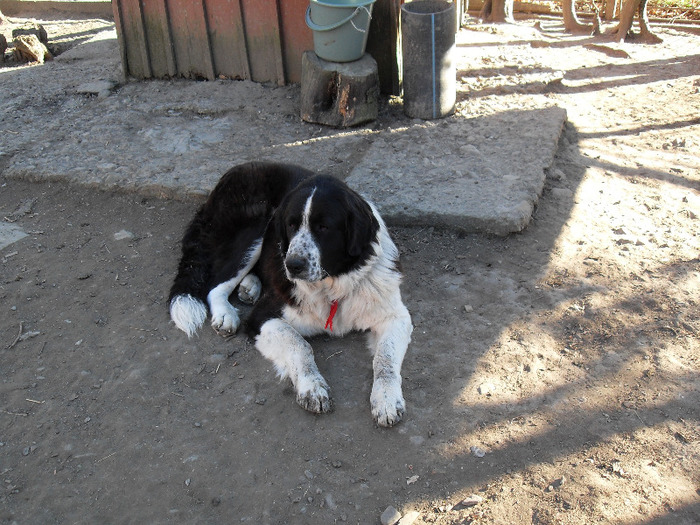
column 260, row 40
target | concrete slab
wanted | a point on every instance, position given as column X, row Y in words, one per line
column 482, row 174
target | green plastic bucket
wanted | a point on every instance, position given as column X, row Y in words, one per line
column 339, row 28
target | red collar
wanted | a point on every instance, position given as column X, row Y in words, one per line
column 334, row 309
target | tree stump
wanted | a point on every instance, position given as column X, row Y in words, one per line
column 624, row 28
column 497, row 11
column 339, row 94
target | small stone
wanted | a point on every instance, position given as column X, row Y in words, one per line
column 557, row 174
column 330, row 502
column 101, row 88
column 409, row 518
column 477, row 452
column 472, row 500
column 123, row 235
column 486, row 389
column 390, row 516
column 188, row 481
column 308, row 474
column 26, row 451
column 468, row 308
column 562, row 193
column 417, row 440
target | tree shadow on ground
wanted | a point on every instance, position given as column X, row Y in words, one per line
column 578, row 80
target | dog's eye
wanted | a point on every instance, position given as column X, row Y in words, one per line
column 321, row 228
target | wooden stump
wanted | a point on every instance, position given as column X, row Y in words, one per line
column 339, row 94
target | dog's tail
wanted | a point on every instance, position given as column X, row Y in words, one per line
column 188, row 313
column 187, row 300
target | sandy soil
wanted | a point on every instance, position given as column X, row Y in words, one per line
column 554, row 374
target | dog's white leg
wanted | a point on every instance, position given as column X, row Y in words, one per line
column 293, row 357
column 249, row 290
column 389, row 342
column 224, row 317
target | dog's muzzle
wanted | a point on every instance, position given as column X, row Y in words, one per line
column 303, row 259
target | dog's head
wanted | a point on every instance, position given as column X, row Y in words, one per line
column 325, row 229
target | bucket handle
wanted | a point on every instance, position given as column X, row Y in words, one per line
column 315, row 27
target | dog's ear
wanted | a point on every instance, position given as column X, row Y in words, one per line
column 361, row 225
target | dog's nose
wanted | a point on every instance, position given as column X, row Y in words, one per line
column 295, row 265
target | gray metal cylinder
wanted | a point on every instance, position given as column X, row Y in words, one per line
column 428, row 44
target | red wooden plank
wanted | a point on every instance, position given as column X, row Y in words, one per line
column 118, row 24
column 134, row 50
column 227, row 37
column 188, row 26
column 296, row 36
column 160, row 42
column 262, row 29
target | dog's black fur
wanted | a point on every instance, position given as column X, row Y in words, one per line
column 265, row 200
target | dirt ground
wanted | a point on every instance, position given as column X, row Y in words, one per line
column 553, row 375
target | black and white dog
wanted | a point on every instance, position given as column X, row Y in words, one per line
column 314, row 257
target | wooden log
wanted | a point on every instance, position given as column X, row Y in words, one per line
column 339, row 94
column 29, row 48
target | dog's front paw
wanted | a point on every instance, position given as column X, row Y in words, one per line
column 249, row 289
column 225, row 321
column 386, row 400
column 313, row 394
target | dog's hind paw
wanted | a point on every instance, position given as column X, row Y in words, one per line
column 226, row 321
column 249, row 290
